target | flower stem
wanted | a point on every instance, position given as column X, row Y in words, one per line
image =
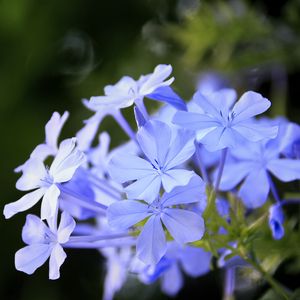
column 200, row 163
column 229, row 284
column 124, row 124
column 221, row 168
column 273, row 189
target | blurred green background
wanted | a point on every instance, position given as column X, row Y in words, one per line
column 55, row 53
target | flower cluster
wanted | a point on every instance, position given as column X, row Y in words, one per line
column 186, row 187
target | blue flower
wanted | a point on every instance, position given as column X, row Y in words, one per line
column 276, row 219
column 183, row 225
column 222, row 123
column 44, row 242
column 193, row 261
column 128, row 91
column 52, row 132
column 254, row 162
column 164, row 151
column 45, row 182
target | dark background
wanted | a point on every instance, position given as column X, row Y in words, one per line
column 55, row 53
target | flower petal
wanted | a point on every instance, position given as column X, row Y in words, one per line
column 146, row 188
column 255, row 189
column 176, row 177
column 250, row 105
column 50, row 202
column 124, row 214
column 285, row 169
column 26, row 202
column 151, row 244
column 65, row 228
column 57, row 258
column 34, row 230
column 29, row 258
column 184, row 226
column 194, row 191
column 172, row 280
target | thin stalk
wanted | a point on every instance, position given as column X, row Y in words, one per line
column 273, row 189
column 100, row 244
column 221, row 168
column 229, row 285
column 200, row 163
column 96, row 238
column 141, row 106
column 124, row 124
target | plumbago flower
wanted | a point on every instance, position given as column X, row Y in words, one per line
column 46, row 182
column 183, row 225
column 44, row 242
column 193, row 261
column 224, row 123
column 254, row 162
column 128, row 91
column 52, row 132
column 165, row 150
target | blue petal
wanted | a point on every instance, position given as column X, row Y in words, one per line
column 255, row 132
column 194, row 191
column 151, row 244
column 65, row 228
column 34, row 230
column 50, row 202
column 234, row 173
column 172, row 280
column 195, row 261
column 26, row 202
column 123, row 168
column 285, row 169
column 175, row 177
column 184, row 226
column 67, row 160
column 124, row 214
column 156, row 79
column 29, row 258
column 250, row 105
column 57, row 258
column 167, row 95
column 146, row 188
column 255, row 189
column 181, row 149
column 54, row 127
column 152, row 144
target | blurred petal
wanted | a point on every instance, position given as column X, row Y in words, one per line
column 285, row 169
column 195, row 261
column 276, row 219
column 255, row 189
column 167, row 95
column 172, row 280
column 151, row 244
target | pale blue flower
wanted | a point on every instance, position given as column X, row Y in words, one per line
column 128, row 91
column 164, row 152
column 52, row 132
column 224, row 123
column 254, row 162
column 183, row 225
column 46, row 182
column 44, row 242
